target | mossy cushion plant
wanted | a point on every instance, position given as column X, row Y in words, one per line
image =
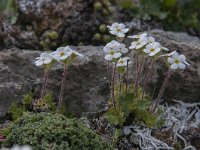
column 44, row 131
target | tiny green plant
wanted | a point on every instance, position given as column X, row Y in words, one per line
column 53, row 131
column 129, row 102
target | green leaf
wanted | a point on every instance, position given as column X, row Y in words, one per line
column 169, row 4
column 143, row 104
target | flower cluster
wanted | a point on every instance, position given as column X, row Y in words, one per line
column 142, row 44
column 63, row 55
column 145, row 47
column 60, row 55
column 146, row 44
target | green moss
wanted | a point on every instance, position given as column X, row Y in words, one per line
column 103, row 28
column 106, row 38
column 98, row 6
column 54, row 131
column 53, row 35
column 97, row 37
column 27, row 99
column 16, row 110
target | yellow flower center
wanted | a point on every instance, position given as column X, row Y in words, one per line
column 62, row 54
column 112, row 52
column 152, row 50
column 176, row 61
column 118, row 30
column 122, row 62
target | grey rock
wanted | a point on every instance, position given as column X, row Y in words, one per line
column 183, row 85
column 86, row 86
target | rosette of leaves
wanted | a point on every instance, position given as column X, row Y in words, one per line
column 53, row 131
column 131, row 109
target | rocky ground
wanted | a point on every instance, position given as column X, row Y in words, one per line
column 47, row 24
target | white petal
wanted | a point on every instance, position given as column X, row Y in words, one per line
column 108, row 57
column 117, row 55
column 186, row 63
column 125, row 50
column 114, row 32
column 164, row 48
column 175, row 55
column 149, row 46
column 115, row 25
column 39, row 63
column 133, row 37
column 63, row 57
column 174, row 66
column 121, row 26
column 170, row 60
column 151, row 39
column 146, row 50
column 181, row 66
column 47, row 61
column 181, row 58
column 157, row 50
column 120, row 34
column 139, row 46
column 152, row 54
column 125, row 30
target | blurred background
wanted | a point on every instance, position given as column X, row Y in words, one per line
column 47, row 24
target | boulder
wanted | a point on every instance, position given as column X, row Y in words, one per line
column 87, row 85
column 183, row 85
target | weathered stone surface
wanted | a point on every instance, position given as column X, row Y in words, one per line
column 87, row 87
column 183, row 85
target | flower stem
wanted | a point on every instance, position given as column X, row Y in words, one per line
column 120, row 83
column 113, row 87
column 147, row 78
column 127, row 69
column 137, row 77
column 44, row 83
column 60, row 99
column 160, row 94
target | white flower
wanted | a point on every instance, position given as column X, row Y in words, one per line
column 177, row 61
column 139, row 44
column 118, row 29
column 123, row 62
column 138, row 36
column 152, row 48
column 112, row 55
column 25, row 147
column 62, row 53
column 111, row 46
column 122, row 48
column 112, row 50
column 44, row 59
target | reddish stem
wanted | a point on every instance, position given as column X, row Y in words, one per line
column 113, row 87
column 137, row 77
column 60, row 99
column 147, row 78
column 127, row 69
column 45, row 83
column 161, row 92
